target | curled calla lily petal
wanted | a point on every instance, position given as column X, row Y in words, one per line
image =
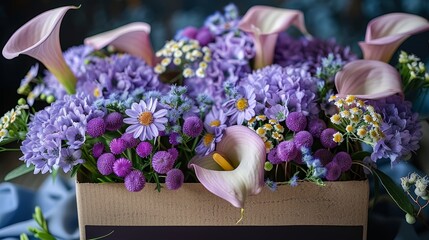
column 132, row 38
column 246, row 152
column 368, row 79
column 39, row 38
column 264, row 24
column 384, row 34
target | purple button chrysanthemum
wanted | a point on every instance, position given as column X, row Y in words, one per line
column 113, row 121
column 97, row 149
column 303, row 139
column 296, row 121
column 105, row 163
column 316, row 126
column 144, row 149
column 130, row 141
column 162, row 162
column 333, row 171
column 287, row 151
column 326, row 138
column 344, row 160
column 122, row 167
column 134, row 181
column 118, row 146
column 324, row 155
column 174, row 153
column 273, row 157
column 174, row 179
column 193, row 126
column 96, row 127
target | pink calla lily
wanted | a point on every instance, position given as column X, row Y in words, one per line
column 39, row 38
column 264, row 24
column 368, row 79
column 246, row 152
column 384, row 34
column 132, row 38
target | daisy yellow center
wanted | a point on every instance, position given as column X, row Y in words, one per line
column 208, row 139
column 241, row 104
column 97, row 92
column 146, row 118
column 215, row 123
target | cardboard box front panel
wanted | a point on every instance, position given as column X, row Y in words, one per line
column 336, row 211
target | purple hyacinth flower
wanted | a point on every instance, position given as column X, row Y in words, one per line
column 69, row 158
column 162, row 162
column 122, row 167
column 134, row 181
column 105, row 163
column 174, row 179
column 75, row 137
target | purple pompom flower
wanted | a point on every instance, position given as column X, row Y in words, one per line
column 303, row 139
column 286, row 151
column 122, row 167
column 174, row 179
column 113, row 121
column 316, row 126
column 129, row 139
column 97, row 149
column 344, row 160
column 296, row 121
column 144, row 149
column 204, row 36
column 324, row 155
column 193, row 126
column 118, row 146
column 105, row 163
column 327, row 139
column 273, row 157
column 145, row 121
column 333, row 171
column 134, row 181
column 162, row 162
column 174, row 153
column 96, row 127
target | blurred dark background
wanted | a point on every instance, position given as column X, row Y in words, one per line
column 344, row 20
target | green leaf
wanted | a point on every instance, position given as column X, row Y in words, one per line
column 19, row 171
column 23, row 236
column 44, row 236
column 395, row 192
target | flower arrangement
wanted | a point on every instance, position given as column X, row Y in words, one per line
column 237, row 104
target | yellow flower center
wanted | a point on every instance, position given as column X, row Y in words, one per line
column 241, row 104
column 208, row 139
column 222, row 162
column 215, row 123
column 146, row 118
column 97, row 92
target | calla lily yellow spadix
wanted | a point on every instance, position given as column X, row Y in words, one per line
column 384, row 34
column 39, row 38
column 132, row 38
column 222, row 162
column 368, row 79
column 246, row 152
column 264, row 24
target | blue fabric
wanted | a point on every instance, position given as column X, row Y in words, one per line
column 57, row 199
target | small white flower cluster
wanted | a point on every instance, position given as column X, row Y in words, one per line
column 421, row 198
column 8, row 119
column 187, row 55
column 416, row 68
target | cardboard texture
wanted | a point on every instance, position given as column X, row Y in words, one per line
column 110, row 204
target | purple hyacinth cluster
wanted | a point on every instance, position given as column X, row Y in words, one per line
column 401, row 129
column 56, row 134
column 284, row 89
column 308, row 53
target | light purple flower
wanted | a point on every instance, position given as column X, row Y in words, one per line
column 145, row 120
column 162, row 162
column 69, row 158
column 193, row 126
column 105, row 163
column 135, row 181
column 242, row 107
column 174, row 179
column 144, row 149
column 75, row 137
column 122, row 167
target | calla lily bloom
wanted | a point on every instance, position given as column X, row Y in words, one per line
column 132, row 38
column 39, row 38
column 245, row 152
column 384, row 34
column 368, row 79
column 264, row 24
